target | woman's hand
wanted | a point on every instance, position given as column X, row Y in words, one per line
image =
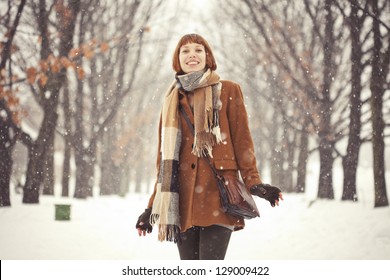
column 143, row 225
column 268, row 192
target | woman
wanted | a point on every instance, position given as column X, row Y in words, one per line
column 185, row 202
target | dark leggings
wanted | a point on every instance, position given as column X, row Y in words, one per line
column 204, row 243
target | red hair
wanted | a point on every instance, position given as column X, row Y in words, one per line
column 193, row 38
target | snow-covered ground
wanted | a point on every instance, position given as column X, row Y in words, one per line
column 352, row 238
column 104, row 228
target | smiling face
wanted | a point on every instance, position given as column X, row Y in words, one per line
column 192, row 57
column 185, row 46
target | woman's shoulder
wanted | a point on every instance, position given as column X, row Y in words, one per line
column 230, row 88
column 229, row 84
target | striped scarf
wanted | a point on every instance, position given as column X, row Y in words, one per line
column 207, row 90
column 207, row 103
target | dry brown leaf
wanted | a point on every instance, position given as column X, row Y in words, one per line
column 55, row 65
column 80, row 73
column 75, row 52
column 66, row 62
column 31, row 75
column 44, row 65
column 104, row 47
column 42, row 79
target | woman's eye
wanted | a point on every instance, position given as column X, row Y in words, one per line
column 199, row 50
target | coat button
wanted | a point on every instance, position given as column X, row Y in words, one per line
column 193, row 166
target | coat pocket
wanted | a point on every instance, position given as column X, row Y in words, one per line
column 225, row 164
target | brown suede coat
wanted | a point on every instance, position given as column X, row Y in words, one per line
column 199, row 195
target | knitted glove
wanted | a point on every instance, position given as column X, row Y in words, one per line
column 266, row 191
column 144, row 219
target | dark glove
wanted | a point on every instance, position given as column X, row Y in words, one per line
column 144, row 219
column 268, row 192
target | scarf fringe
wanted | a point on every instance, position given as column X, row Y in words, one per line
column 169, row 233
column 216, row 129
column 154, row 218
column 166, row 232
column 204, row 142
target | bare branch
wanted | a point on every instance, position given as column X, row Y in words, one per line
column 5, row 54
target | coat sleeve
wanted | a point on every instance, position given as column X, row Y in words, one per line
column 151, row 199
column 242, row 138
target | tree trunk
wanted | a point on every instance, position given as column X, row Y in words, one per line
column 302, row 160
column 378, row 146
column 90, row 170
column 125, row 179
column 5, row 162
column 5, row 175
column 48, row 170
column 276, row 154
column 84, row 155
column 80, row 190
column 111, row 171
column 288, row 159
column 377, row 84
column 138, row 178
column 82, row 160
column 38, row 153
column 67, row 141
column 66, row 170
column 105, row 186
column 325, row 186
column 84, row 175
column 350, row 160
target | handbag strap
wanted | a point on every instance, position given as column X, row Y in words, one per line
column 191, row 126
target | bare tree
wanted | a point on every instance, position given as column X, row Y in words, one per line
column 355, row 23
column 49, row 90
column 103, row 97
column 9, row 130
column 379, row 73
column 306, row 62
column 278, row 123
column 306, row 45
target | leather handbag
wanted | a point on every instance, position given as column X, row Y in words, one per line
column 235, row 197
